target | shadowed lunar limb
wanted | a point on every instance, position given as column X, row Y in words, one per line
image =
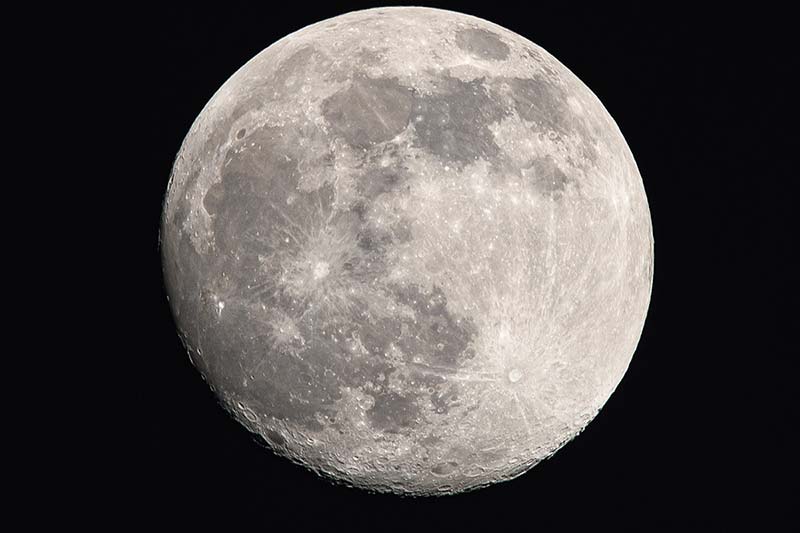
column 409, row 249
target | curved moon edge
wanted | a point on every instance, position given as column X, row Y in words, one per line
column 409, row 249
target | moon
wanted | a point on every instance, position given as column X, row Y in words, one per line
column 409, row 249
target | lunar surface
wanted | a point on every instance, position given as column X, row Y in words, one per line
column 409, row 249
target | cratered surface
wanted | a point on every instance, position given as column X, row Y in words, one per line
column 408, row 248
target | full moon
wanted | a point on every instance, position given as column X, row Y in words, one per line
column 409, row 249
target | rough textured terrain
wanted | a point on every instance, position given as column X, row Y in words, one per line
column 408, row 248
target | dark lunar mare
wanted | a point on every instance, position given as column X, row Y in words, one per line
column 482, row 43
column 293, row 381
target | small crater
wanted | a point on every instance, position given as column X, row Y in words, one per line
column 241, row 133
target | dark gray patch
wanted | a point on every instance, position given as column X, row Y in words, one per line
column 443, row 400
column 427, row 381
column 371, row 185
column 380, row 181
column 545, row 104
column 453, row 124
column 253, row 179
column 401, row 231
column 213, row 198
column 539, row 101
column 435, row 336
column 369, row 111
column 545, row 176
column 289, row 74
column 482, row 43
column 275, row 438
column 241, row 133
column 360, row 208
column 378, row 335
column 393, row 412
column 250, row 207
column 328, row 349
column 374, row 241
column 444, row 469
column 295, row 385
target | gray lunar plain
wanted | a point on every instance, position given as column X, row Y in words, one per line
column 409, row 249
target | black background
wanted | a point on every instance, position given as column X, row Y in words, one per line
column 698, row 434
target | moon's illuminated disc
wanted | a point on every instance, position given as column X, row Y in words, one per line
column 409, row 248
